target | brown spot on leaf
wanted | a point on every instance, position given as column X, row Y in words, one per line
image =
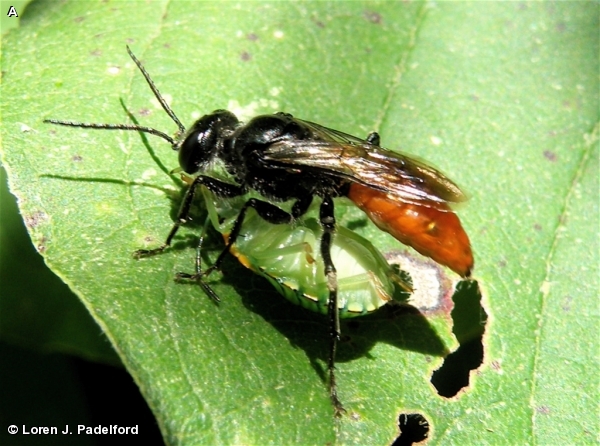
column 33, row 220
column 41, row 246
column 543, row 410
column 373, row 17
column 550, row 155
column 318, row 22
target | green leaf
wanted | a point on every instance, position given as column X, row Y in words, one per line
column 501, row 96
column 41, row 314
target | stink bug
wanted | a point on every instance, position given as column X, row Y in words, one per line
column 289, row 257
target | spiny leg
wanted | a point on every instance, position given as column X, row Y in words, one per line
column 198, row 276
column 327, row 219
column 182, row 217
column 199, row 247
column 219, row 188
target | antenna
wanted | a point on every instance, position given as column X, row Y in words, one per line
column 132, row 127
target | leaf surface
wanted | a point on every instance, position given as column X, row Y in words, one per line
column 503, row 97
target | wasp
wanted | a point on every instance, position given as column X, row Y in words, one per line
column 281, row 158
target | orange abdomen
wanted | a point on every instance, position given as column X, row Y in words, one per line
column 435, row 232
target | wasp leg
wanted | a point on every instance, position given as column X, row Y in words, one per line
column 268, row 212
column 220, row 188
column 327, row 220
column 199, row 247
column 198, row 275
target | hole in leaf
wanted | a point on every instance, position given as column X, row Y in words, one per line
column 469, row 320
column 414, row 428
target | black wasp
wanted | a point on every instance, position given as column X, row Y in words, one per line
column 285, row 158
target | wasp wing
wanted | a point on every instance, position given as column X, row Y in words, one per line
column 325, row 133
column 402, row 177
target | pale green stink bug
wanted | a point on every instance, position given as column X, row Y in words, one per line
column 289, row 257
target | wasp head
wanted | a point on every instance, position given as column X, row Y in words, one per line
column 204, row 140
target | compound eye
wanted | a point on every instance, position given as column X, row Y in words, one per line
column 193, row 153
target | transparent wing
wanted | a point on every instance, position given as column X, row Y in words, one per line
column 327, row 134
column 402, row 177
